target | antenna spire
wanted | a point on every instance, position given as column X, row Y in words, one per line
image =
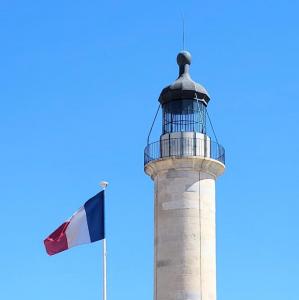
column 183, row 23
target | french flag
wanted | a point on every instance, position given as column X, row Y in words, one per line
column 85, row 226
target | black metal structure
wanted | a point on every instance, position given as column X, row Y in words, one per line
column 184, row 101
column 184, row 87
column 184, row 115
column 184, row 147
column 184, row 110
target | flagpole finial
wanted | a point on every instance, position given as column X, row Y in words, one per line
column 103, row 184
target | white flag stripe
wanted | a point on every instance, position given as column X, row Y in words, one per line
column 77, row 232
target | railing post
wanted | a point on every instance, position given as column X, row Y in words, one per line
column 169, row 145
column 194, row 143
column 182, row 146
column 204, row 146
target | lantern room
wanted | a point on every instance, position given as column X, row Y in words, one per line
column 184, row 101
column 184, row 119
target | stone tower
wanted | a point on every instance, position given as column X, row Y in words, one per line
column 184, row 165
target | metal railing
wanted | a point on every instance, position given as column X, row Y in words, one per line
column 184, row 147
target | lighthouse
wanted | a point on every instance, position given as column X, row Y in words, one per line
column 184, row 164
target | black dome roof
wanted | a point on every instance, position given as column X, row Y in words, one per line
column 184, row 87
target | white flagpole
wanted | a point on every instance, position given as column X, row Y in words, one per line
column 104, row 184
column 104, row 270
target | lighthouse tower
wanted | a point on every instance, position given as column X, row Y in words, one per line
column 184, row 164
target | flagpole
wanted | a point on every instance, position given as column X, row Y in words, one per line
column 104, row 270
column 104, row 185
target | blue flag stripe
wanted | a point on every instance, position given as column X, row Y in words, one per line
column 94, row 209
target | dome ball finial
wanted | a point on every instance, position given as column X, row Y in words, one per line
column 184, row 58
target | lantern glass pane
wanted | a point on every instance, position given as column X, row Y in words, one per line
column 184, row 115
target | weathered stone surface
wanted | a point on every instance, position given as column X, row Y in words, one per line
column 185, row 243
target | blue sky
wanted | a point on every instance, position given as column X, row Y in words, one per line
column 79, row 87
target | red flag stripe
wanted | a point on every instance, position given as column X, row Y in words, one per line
column 57, row 241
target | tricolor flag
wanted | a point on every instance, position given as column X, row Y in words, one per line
column 85, row 226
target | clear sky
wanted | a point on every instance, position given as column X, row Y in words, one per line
column 79, row 87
